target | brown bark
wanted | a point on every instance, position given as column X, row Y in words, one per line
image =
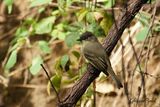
column 110, row 42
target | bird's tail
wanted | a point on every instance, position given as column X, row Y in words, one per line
column 114, row 77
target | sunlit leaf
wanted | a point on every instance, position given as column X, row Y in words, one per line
column 144, row 18
column 90, row 17
column 58, row 67
column 12, row 60
column 109, row 3
column 58, row 34
column 45, row 25
column 71, row 39
column 96, row 29
column 89, row 92
column 29, row 21
column 22, row 32
column 42, row 9
column 82, row 69
column 55, row 12
column 56, row 81
column 142, row 34
column 76, row 54
column 157, row 27
column 35, row 3
column 69, row 81
column 19, row 42
column 44, row 47
column 9, row 9
column 61, row 5
column 64, row 60
column 75, row 27
column 35, row 67
column 9, row 3
column 106, row 22
column 81, row 14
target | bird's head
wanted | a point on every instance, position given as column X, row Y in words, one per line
column 87, row 36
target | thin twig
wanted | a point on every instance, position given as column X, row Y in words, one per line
column 153, row 76
column 95, row 4
column 141, row 72
column 51, row 83
column 150, row 27
column 125, row 83
column 150, row 40
column 94, row 93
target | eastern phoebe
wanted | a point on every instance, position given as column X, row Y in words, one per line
column 96, row 55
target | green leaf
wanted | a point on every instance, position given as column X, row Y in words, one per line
column 9, row 3
column 9, row 9
column 75, row 28
column 22, row 32
column 56, row 80
column 82, row 13
column 29, row 21
column 157, row 28
column 58, row 34
column 96, row 29
column 62, row 6
column 19, row 42
column 90, row 17
column 57, row 66
column 35, row 3
column 12, row 60
column 76, row 54
column 144, row 18
column 35, row 67
column 55, row 12
column 89, row 92
column 142, row 34
column 64, row 60
column 71, row 80
column 110, row 3
column 106, row 22
column 42, row 9
column 45, row 25
column 71, row 39
column 44, row 47
column 82, row 69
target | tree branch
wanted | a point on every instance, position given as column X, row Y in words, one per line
column 110, row 42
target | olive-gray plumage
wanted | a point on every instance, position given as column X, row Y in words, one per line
column 96, row 55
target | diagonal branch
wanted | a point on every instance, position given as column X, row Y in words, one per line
column 110, row 42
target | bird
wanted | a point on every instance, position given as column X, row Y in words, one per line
column 95, row 54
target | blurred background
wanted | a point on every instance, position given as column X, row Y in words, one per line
column 33, row 32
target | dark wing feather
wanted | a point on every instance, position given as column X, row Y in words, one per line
column 97, row 62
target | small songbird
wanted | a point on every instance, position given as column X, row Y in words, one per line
column 96, row 55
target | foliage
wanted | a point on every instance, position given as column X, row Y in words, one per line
column 9, row 4
column 142, row 34
column 36, row 65
column 35, row 3
column 12, row 60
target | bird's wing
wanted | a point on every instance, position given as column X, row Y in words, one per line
column 98, row 62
